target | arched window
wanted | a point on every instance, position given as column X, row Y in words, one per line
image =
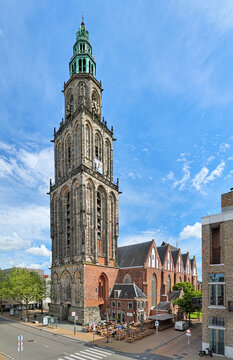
column 166, row 264
column 180, row 280
column 149, row 261
column 65, row 287
column 157, row 262
column 153, row 291
column 98, row 147
column 84, row 65
column 102, row 287
column 89, row 217
column 153, row 257
column 67, row 216
column 168, row 260
column 179, row 264
column 107, row 164
column 127, row 279
column 168, row 285
column 88, row 142
column 188, row 267
column 99, row 223
column 68, row 153
column 81, row 89
column 80, row 66
column 69, row 105
column 112, row 226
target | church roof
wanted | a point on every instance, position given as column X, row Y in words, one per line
column 175, row 294
column 175, row 255
column 171, row 246
column 162, row 252
column 133, row 255
column 184, row 257
column 127, row 291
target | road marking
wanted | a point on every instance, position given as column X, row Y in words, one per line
column 68, row 358
column 88, row 356
column 93, row 353
column 76, row 357
column 104, row 352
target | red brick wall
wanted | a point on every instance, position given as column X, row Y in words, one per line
column 91, row 276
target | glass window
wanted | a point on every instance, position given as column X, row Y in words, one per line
column 113, row 304
column 119, row 304
column 216, row 295
column 216, row 277
column 130, row 305
column 216, row 321
column 217, row 341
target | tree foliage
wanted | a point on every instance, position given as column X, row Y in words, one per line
column 185, row 302
column 25, row 286
column 4, row 288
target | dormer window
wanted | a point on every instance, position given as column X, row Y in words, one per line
column 82, row 48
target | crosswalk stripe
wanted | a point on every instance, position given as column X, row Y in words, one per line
column 103, row 352
column 88, row 356
column 78, row 357
column 68, row 358
column 74, row 356
column 93, row 353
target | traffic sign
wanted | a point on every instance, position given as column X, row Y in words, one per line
column 129, row 314
column 20, row 342
column 93, row 326
column 156, row 323
column 188, row 332
column 73, row 313
column 119, row 328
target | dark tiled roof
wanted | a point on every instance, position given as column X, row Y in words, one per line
column 171, row 246
column 128, row 291
column 191, row 263
column 184, row 257
column 164, row 305
column 175, row 255
column 133, row 255
column 162, row 252
column 175, row 294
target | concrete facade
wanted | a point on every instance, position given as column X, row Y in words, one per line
column 217, row 280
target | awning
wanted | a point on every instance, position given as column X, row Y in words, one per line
column 161, row 317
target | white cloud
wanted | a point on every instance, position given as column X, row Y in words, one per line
column 39, row 251
column 145, row 236
column 13, row 242
column 190, row 231
column 201, row 177
column 30, row 222
column 32, row 168
column 223, row 147
column 42, row 266
column 186, row 176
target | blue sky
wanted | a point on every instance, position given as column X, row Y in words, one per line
column 166, row 70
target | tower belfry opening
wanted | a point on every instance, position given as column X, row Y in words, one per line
column 83, row 198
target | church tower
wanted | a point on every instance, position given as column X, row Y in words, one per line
column 84, row 198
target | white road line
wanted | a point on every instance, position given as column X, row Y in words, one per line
column 97, row 356
column 104, row 352
column 69, row 358
column 75, row 356
column 80, row 358
column 88, row 356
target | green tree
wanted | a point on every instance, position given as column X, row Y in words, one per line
column 4, row 288
column 185, row 302
column 25, row 286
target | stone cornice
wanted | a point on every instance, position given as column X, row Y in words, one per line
column 83, row 169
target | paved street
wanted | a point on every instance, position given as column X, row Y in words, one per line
column 41, row 345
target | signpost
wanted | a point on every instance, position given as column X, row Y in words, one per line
column 75, row 318
column 119, row 331
column 157, row 326
column 188, row 333
column 20, row 344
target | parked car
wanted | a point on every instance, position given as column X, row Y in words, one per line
column 181, row 325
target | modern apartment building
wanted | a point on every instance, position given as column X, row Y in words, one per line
column 217, row 279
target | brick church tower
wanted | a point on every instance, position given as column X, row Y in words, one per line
column 83, row 199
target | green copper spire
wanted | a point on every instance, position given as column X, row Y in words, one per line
column 82, row 60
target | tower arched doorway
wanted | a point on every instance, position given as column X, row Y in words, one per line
column 103, row 294
column 153, row 291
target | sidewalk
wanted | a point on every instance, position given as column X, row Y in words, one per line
column 145, row 345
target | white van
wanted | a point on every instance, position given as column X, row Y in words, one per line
column 181, row 325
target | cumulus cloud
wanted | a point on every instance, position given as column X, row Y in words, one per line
column 42, row 266
column 145, row 236
column 39, row 251
column 191, row 231
column 29, row 221
column 13, row 242
column 32, row 168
